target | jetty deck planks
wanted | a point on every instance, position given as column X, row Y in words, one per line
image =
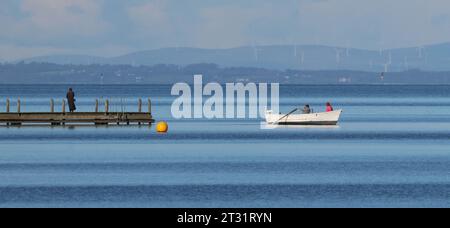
column 76, row 117
column 62, row 118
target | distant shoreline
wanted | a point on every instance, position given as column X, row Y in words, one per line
column 166, row 74
column 170, row 84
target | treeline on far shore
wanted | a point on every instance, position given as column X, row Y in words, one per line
column 47, row 73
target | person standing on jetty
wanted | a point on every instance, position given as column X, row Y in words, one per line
column 71, row 100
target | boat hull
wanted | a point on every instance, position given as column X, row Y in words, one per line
column 313, row 123
column 323, row 118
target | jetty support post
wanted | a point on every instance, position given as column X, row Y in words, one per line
column 18, row 112
column 63, row 110
column 149, row 106
column 140, row 105
column 149, row 102
column 7, row 108
column 52, row 105
column 139, row 108
column 7, row 105
column 18, row 105
column 107, row 106
column 52, row 110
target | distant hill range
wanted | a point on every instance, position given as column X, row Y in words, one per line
column 281, row 57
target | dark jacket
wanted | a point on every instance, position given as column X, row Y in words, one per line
column 306, row 110
column 71, row 100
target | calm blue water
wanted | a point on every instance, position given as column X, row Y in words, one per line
column 391, row 149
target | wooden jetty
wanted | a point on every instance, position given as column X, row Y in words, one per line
column 62, row 118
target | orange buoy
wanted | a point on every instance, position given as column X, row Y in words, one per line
column 162, row 127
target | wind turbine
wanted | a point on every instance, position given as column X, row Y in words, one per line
column 347, row 50
column 381, row 50
column 338, row 55
column 422, row 54
column 425, row 55
column 406, row 63
column 386, row 67
column 302, row 58
column 386, row 70
column 256, row 51
column 390, row 58
column 420, row 51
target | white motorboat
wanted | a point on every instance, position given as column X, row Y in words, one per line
column 321, row 118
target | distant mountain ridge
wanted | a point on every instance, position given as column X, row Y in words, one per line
column 280, row 57
column 68, row 59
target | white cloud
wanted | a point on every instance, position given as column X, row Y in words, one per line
column 373, row 24
column 150, row 15
column 44, row 26
column 151, row 21
column 208, row 25
column 49, row 21
column 64, row 15
column 221, row 27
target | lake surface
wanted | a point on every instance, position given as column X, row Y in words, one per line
column 391, row 149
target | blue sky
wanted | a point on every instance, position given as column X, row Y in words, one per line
column 114, row 27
